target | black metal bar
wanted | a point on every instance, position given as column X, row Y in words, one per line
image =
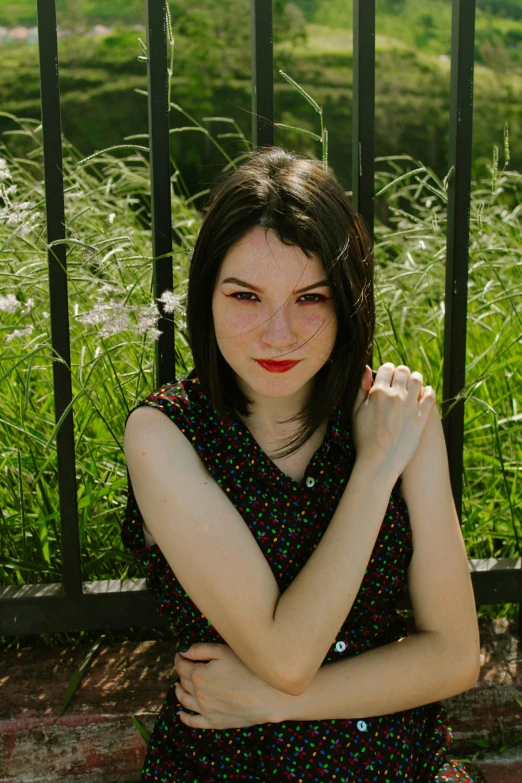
column 161, row 214
column 127, row 603
column 262, row 49
column 57, row 263
column 363, row 110
column 457, row 251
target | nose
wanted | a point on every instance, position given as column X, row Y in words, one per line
column 279, row 331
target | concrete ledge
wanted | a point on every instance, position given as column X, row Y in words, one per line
column 95, row 740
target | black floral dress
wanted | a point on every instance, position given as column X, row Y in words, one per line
column 287, row 519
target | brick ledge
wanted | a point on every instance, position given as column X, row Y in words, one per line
column 95, row 740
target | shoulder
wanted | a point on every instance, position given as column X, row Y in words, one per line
column 187, row 405
column 182, row 401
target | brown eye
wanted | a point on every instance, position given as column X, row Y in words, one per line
column 237, row 294
column 318, row 297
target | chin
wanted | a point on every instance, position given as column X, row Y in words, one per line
column 273, row 385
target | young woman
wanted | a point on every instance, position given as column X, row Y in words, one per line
column 282, row 496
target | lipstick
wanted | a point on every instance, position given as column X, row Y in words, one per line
column 281, row 365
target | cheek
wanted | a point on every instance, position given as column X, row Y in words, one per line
column 322, row 323
column 234, row 323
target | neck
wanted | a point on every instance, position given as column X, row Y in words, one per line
column 266, row 414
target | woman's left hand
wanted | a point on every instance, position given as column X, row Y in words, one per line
column 225, row 693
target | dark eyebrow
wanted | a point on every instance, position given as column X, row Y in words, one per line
column 237, row 281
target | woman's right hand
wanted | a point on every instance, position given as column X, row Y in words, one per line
column 389, row 417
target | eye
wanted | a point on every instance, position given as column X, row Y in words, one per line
column 242, row 293
column 238, row 295
column 318, row 298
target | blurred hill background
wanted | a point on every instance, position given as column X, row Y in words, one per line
column 100, row 73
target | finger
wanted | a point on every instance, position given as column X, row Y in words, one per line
column 183, row 665
column 415, row 379
column 384, row 375
column 421, row 393
column 204, row 651
column 428, row 396
column 401, row 376
column 427, row 403
column 194, row 721
column 187, row 685
column 415, row 385
column 186, row 699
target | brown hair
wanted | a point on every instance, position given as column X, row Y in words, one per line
column 305, row 207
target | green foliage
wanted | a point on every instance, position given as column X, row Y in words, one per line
column 113, row 327
column 72, row 13
column 78, row 674
column 109, row 246
column 213, row 30
column 142, row 731
column 222, row 22
column 426, row 25
column 309, row 8
column 101, row 77
column 216, row 26
column 505, row 8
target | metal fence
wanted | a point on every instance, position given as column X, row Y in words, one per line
column 76, row 605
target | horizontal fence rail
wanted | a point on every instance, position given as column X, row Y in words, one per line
column 76, row 605
column 128, row 603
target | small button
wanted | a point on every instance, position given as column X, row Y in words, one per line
column 361, row 725
column 310, row 481
column 340, row 647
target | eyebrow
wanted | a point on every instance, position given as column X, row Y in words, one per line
column 237, row 281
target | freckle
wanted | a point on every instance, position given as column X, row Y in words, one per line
column 164, row 500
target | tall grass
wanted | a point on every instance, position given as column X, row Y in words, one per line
column 113, row 319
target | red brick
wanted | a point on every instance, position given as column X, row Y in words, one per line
column 501, row 771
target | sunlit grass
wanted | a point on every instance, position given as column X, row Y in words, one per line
column 113, row 320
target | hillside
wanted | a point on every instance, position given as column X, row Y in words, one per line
column 423, row 24
column 100, row 78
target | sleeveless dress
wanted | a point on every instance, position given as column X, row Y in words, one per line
column 288, row 519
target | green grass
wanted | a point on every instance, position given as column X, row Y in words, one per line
column 113, row 319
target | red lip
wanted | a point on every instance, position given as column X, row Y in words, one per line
column 279, row 365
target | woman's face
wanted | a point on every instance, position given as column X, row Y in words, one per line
column 277, row 320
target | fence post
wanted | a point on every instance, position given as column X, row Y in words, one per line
column 363, row 110
column 363, row 114
column 161, row 210
column 58, row 293
column 457, row 250
column 262, row 50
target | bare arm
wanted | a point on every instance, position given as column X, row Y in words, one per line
column 311, row 611
column 416, row 670
column 443, row 657
column 283, row 639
